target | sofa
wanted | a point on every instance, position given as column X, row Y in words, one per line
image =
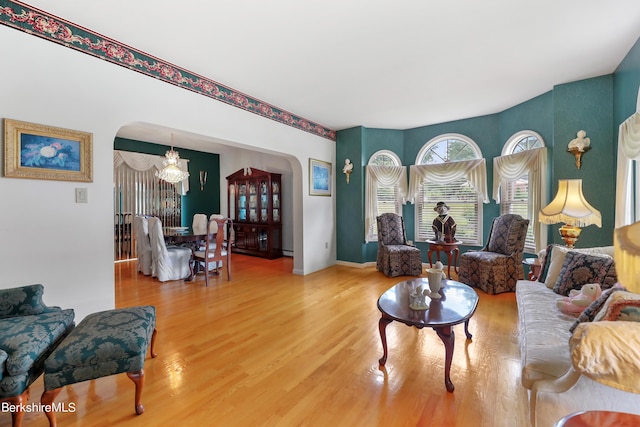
column 573, row 364
column 29, row 332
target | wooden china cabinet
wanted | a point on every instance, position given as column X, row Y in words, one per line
column 255, row 205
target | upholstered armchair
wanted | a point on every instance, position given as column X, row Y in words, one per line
column 395, row 256
column 498, row 266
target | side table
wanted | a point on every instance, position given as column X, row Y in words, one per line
column 451, row 249
column 599, row 419
column 534, row 267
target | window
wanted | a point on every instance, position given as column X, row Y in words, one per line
column 453, row 188
column 386, row 188
column 515, row 193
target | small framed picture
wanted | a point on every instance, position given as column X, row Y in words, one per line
column 34, row 151
column 319, row 178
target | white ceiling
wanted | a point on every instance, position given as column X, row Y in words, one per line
column 383, row 64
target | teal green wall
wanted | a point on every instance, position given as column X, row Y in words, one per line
column 596, row 105
column 588, row 105
column 358, row 144
column 196, row 201
column 626, row 81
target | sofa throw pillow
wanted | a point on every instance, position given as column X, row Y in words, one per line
column 579, row 269
column 554, row 261
column 610, row 278
column 620, row 306
column 552, row 264
column 589, row 313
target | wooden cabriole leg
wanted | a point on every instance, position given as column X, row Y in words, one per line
column 153, row 343
column 48, row 396
column 138, row 380
column 18, row 402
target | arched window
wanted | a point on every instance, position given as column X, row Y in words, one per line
column 515, row 193
column 464, row 201
column 386, row 189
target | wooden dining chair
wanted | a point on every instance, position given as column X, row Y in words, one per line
column 217, row 250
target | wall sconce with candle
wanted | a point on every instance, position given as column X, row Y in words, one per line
column 203, row 179
column 347, row 169
column 578, row 146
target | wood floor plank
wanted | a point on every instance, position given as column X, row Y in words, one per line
column 270, row 348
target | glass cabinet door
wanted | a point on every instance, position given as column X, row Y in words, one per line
column 242, row 202
column 264, row 202
column 275, row 187
column 253, row 202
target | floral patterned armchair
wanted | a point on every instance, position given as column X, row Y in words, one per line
column 395, row 256
column 498, row 266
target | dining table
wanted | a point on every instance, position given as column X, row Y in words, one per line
column 184, row 236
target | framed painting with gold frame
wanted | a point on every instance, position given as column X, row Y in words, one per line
column 34, row 151
column 319, row 178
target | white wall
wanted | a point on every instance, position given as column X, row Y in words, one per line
column 68, row 247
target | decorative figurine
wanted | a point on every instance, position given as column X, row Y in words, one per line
column 418, row 299
column 444, row 226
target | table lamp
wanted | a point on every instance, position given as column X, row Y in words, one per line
column 570, row 207
column 626, row 243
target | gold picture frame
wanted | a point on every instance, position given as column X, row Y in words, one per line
column 34, row 151
column 319, row 178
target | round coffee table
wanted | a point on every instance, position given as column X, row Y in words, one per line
column 457, row 304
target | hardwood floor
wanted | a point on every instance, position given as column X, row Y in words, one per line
column 275, row 349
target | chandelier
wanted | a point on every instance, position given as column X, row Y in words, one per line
column 171, row 171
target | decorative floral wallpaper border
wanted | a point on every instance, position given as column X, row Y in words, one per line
column 34, row 21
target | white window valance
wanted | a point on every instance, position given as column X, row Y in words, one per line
column 628, row 152
column 534, row 164
column 387, row 176
column 475, row 171
column 143, row 162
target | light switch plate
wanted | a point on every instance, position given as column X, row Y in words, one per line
column 81, row 195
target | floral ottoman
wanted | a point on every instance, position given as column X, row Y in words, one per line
column 105, row 343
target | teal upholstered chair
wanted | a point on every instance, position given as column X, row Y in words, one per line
column 29, row 331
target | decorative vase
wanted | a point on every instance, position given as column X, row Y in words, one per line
column 435, row 277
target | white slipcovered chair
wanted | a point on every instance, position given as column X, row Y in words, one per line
column 143, row 245
column 199, row 224
column 169, row 263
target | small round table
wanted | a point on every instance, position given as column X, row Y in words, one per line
column 451, row 249
column 598, row 419
column 534, row 267
column 457, row 304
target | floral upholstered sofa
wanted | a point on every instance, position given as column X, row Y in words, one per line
column 568, row 364
column 29, row 332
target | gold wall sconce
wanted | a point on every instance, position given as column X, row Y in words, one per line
column 347, row 169
column 578, row 146
column 203, row 179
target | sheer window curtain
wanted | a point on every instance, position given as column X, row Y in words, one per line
column 513, row 166
column 475, row 171
column 137, row 191
column 388, row 176
column 627, row 205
